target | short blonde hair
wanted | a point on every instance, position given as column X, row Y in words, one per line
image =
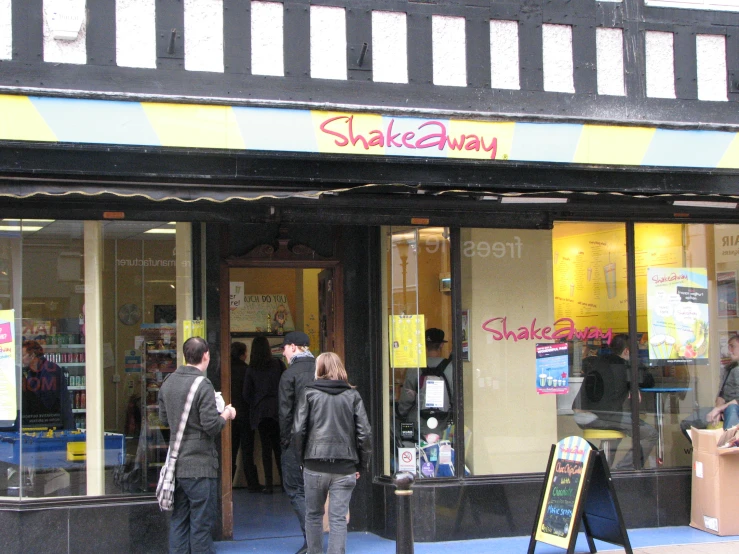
column 329, row 366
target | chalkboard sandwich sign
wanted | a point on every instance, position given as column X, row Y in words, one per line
column 578, row 488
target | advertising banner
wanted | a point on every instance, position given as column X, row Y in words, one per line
column 8, row 385
column 552, row 375
column 677, row 313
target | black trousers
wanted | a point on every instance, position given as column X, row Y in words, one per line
column 243, row 435
column 269, row 437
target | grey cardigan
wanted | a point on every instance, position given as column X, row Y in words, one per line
column 198, row 456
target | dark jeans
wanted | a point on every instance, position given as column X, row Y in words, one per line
column 317, row 488
column 194, row 515
column 269, row 436
column 242, row 434
column 292, row 480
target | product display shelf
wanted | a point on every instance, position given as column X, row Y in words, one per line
column 159, row 361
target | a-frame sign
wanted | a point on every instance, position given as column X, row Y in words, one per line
column 578, row 488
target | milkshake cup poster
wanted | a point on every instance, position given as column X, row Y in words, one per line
column 677, row 313
column 552, row 361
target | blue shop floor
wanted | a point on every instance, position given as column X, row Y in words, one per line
column 266, row 524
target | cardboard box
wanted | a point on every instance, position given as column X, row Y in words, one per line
column 715, row 494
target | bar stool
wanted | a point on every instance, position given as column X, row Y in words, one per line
column 605, row 436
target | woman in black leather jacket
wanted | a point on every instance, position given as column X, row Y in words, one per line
column 333, row 437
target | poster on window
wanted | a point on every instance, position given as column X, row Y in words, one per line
column 552, row 362
column 726, row 292
column 466, row 335
column 677, row 313
column 407, row 340
column 8, row 390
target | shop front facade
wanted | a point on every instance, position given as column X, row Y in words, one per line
column 130, row 219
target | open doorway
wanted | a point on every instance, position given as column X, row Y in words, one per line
column 270, row 300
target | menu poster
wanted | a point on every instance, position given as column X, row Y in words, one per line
column 407, row 341
column 726, row 292
column 8, row 388
column 564, row 486
column 677, row 302
column 552, row 362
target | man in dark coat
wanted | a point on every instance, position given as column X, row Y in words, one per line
column 300, row 372
column 196, row 470
column 601, row 402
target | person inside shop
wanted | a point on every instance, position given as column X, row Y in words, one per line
column 260, row 391
column 333, row 438
column 196, row 471
column 300, row 372
column 436, row 365
column 726, row 406
column 242, row 433
column 46, row 400
column 603, row 400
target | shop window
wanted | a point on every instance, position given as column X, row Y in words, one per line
column 548, row 341
column 419, row 370
column 81, row 301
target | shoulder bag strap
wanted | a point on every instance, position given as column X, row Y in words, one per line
column 183, row 419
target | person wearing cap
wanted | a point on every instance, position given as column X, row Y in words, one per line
column 407, row 403
column 300, row 372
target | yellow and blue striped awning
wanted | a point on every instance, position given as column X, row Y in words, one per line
column 113, row 122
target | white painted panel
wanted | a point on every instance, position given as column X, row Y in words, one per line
column 660, row 61
column 389, row 47
column 65, row 51
column 6, row 31
column 505, row 69
column 204, row 35
column 711, row 61
column 135, row 29
column 327, row 43
column 267, row 39
column 609, row 45
column 449, row 45
column 557, row 46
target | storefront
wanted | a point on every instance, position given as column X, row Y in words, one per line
column 122, row 234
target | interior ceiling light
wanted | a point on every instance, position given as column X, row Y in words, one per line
column 705, row 204
column 532, row 200
column 18, row 228
column 162, row 231
column 31, row 220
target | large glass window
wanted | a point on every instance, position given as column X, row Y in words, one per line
column 93, row 311
column 419, row 370
column 553, row 345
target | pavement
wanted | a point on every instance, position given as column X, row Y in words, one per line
column 660, row 540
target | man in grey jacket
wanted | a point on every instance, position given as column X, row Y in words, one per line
column 300, row 372
column 196, row 470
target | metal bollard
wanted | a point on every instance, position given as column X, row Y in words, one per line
column 404, row 532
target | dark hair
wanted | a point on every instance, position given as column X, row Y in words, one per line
column 238, row 349
column 619, row 343
column 33, row 347
column 261, row 353
column 194, row 349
